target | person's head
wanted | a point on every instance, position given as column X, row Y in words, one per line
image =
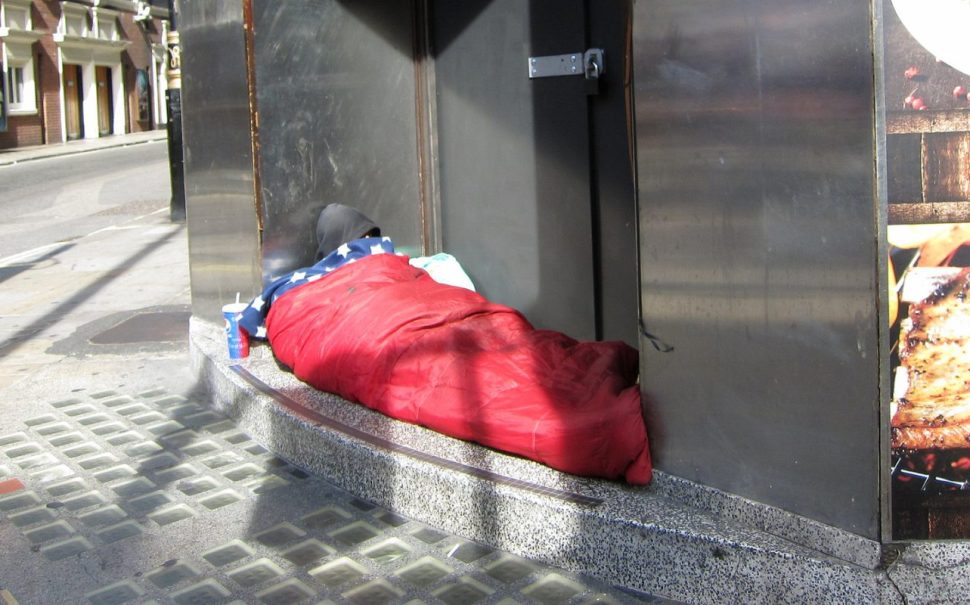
column 339, row 224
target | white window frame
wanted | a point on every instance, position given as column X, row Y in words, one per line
column 25, row 102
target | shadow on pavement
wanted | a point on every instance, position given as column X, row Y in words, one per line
column 50, row 318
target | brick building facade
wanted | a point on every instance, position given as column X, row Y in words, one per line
column 80, row 69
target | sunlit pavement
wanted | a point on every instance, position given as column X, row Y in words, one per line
column 118, row 483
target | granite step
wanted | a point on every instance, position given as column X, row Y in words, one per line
column 674, row 538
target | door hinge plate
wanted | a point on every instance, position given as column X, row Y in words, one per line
column 589, row 64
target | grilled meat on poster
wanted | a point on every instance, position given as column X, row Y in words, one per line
column 932, row 402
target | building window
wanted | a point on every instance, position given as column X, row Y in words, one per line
column 21, row 97
column 15, row 78
column 18, row 37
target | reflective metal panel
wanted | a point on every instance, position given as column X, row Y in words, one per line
column 221, row 216
column 514, row 157
column 335, row 95
column 758, row 250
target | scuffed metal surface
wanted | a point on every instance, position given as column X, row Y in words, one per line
column 223, row 237
column 336, row 98
column 755, row 148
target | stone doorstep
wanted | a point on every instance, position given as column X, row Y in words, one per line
column 655, row 540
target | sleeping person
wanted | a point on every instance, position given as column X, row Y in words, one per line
column 367, row 325
column 344, row 235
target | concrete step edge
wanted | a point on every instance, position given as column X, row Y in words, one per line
column 663, row 547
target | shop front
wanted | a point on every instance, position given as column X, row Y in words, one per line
column 766, row 198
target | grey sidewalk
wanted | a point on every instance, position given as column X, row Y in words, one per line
column 17, row 155
column 119, row 484
column 146, row 496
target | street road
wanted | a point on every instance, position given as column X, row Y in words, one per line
column 84, row 239
column 60, row 199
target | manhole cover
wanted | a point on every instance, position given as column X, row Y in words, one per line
column 162, row 326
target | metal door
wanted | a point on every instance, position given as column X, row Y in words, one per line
column 514, row 158
column 103, row 79
column 72, row 102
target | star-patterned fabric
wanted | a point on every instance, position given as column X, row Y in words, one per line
column 254, row 317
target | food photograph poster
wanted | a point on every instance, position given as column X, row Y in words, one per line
column 927, row 100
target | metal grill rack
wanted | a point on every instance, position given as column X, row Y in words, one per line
column 929, row 479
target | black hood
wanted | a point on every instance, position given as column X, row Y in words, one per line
column 339, row 224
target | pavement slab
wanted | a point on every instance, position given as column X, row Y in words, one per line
column 124, row 487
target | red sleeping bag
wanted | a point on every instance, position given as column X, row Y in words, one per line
column 383, row 333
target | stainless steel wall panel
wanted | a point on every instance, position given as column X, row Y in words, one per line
column 759, row 250
column 335, row 88
column 220, row 210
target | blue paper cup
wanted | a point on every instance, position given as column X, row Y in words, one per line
column 236, row 337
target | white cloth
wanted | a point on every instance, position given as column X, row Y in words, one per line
column 444, row 269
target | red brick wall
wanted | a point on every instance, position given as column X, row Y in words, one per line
column 46, row 15
column 22, row 131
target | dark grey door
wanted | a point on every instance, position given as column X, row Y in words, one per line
column 514, row 157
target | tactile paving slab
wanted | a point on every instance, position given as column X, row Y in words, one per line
column 140, row 466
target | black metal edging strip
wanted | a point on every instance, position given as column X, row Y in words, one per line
column 390, row 446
